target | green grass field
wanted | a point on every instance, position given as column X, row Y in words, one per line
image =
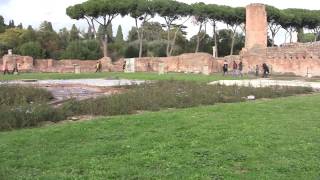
column 142, row 76
column 265, row 139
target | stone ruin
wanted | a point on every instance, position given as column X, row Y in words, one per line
column 302, row 59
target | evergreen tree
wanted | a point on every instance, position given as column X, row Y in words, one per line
column 2, row 25
column 110, row 33
column 74, row 33
column 20, row 26
column 46, row 26
column 11, row 24
column 119, row 36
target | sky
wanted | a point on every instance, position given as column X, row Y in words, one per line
column 33, row 12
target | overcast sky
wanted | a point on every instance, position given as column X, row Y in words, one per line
column 33, row 12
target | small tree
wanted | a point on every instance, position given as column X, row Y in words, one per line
column 74, row 33
column 234, row 17
column 142, row 11
column 201, row 15
column 172, row 11
column 119, row 36
column 215, row 14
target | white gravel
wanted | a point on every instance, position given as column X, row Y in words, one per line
column 268, row 82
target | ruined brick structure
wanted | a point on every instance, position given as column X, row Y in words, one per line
column 299, row 59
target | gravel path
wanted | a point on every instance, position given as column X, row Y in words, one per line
column 268, row 82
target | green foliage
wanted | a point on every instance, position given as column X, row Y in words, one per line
column 20, row 95
column 48, row 39
column 119, row 36
column 173, row 94
column 156, row 48
column 132, row 50
column 32, row 49
column 205, row 45
column 307, row 37
column 2, row 24
column 225, row 41
column 84, row 50
column 74, row 33
column 12, row 37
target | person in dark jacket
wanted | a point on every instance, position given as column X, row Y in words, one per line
column 266, row 71
column 225, row 68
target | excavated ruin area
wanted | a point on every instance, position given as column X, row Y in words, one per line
column 79, row 89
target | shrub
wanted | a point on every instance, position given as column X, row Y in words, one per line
column 29, row 115
column 32, row 49
column 19, row 95
column 173, row 94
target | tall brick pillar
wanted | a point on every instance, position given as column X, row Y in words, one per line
column 256, row 26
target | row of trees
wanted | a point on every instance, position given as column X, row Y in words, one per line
column 149, row 38
column 103, row 12
column 45, row 42
column 293, row 20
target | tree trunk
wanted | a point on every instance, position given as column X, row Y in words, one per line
column 198, row 38
column 174, row 41
column 215, row 38
column 232, row 41
column 273, row 36
column 168, row 41
column 105, row 46
column 140, row 45
column 139, row 38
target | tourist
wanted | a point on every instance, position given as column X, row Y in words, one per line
column 257, row 70
column 98, row 66
column 266, row 71
column 124, row 66
column 5, row 68
column 240, row 68
column 225, row 68
column 15, row 68
column 235, row 68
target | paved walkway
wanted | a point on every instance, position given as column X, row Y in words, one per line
column 268, row 82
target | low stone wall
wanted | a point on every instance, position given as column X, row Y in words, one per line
column 297, row 58
column 188, row 63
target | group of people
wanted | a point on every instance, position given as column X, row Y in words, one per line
column 6, row 70
column 238, row 68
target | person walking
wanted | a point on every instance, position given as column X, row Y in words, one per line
column 15, row 68
column 225, row 68
column 98, row 66
column 266, row 71
column 234, row 69
column 5, row 68
column 257, row 70
column 240, row 68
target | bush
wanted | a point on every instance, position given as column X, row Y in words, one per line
column 84, row 50
column 32, row 49
column 29, row 115
column 173, row 94
column 19, row 95
column 22, row 106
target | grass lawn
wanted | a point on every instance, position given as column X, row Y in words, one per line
column 141, row 76
column 266, row 139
